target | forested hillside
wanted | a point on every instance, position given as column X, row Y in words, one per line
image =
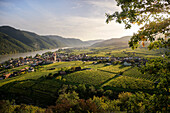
column 11, row 45
column 71, row 42
column 14, row 40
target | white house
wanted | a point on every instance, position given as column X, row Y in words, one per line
column 127, row 64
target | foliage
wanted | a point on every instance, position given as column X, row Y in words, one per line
column 151, row 13
column 59, row 77
column 13, row 41
column 143, row 102
column 71, row 97
column 157, row 67
column 9, row 107
column 124, row 99
column 10, row 45
column 136, row 73
column 142, row 12
column 160, row 67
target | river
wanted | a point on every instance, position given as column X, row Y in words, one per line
column 17, row 55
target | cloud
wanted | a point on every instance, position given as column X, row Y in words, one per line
column 104, row 4
column 83, row 19
column 6, row 4
column 86, row 28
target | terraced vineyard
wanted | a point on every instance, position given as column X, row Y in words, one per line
column 133, row 72
column 91, row 77
column 114, row 69
column 130, row 83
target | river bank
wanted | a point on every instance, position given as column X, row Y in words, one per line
column 4, row 58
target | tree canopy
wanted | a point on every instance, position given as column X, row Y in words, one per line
column 153, row 15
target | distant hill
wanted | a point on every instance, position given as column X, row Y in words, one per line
column 116, row 42
column 70, row 42
column 14, row 40
column 91, row 42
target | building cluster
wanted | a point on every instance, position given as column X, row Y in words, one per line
column 49, row 58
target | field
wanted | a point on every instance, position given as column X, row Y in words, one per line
column 133, row 72
column 43, row 71
column 90, row 77
column 98, row 75
column 114, row 68
column 116, row 52
column 36, row 87
column 130, row 83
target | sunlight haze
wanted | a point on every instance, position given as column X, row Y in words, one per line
column 82, row 19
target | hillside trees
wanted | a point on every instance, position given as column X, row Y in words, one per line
column 153, row 15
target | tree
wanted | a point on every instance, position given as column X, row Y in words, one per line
column 152, row 14
column 21, row 58
column 82, row 90
column 37, row 55
column 159, row 68
column 6, row 106
column 71, row 97
column 65, row 102
column 124, row 98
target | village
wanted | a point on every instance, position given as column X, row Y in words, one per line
column 52, row 57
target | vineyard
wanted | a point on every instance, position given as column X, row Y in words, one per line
column 24, row 84
column 48, row 86
column 43, row 71
column 37, row 86
column 130, row 83
column 133, row 72
column 142, row 52
column 91, row 77
column 114, row 69
column 95, row 66
column 42, row 90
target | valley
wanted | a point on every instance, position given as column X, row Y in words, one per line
column 102, row 69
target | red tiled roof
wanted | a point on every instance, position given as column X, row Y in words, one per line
column 7, row 75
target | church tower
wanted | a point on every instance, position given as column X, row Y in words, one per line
column 54, row 56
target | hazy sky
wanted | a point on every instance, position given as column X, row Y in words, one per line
column 83, row 19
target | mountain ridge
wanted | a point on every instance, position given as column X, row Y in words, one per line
column 116, row 42
column 26, row 41
column 15, row 40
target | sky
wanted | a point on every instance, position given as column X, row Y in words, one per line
column 82, row 19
